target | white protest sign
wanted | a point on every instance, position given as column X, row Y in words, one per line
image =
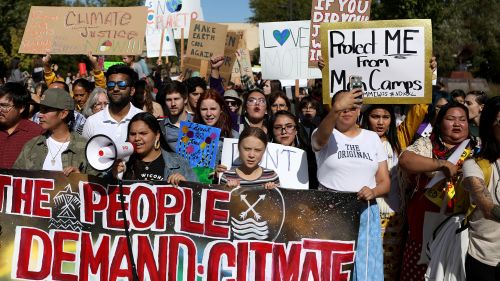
column 174, row 14
column 284, row 48
column 290, row 163
column 153, row 42
column 392, row 57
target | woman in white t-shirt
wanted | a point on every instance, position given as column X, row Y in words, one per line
column 483, row 256
column 351, row 159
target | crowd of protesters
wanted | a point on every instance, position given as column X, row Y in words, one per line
column 394, row 151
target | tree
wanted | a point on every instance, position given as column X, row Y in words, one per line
column 458, row 26
column 280, row 10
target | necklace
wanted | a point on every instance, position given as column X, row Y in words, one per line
column 53, row 160
column 146, row 166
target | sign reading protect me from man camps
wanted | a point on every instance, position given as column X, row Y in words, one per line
column 79, row 30
column 72, row 228
column 392, row 58
column 206, row 40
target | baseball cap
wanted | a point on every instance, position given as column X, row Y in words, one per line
column 57, row 98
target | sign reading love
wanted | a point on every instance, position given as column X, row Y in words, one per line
column 283, row 50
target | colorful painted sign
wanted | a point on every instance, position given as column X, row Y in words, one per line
column 80, row 30
column 283, row 50
column 199, row 144
column 72, row 228
column 392, row 58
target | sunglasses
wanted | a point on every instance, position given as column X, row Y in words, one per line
column 232, row 103
column 122, row 85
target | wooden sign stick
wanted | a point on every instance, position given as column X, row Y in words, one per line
column 161, row 42
column 297, row 89
column 182, row 48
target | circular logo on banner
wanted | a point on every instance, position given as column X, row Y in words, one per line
column 174, row 5
column 256, row 214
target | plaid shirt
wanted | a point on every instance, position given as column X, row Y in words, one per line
column 35, row 151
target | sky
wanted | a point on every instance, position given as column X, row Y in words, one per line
column 226, row 10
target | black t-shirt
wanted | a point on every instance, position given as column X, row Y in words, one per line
column 150, row 171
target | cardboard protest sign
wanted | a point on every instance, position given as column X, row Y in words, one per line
column 283, row 50
column 333, row 11
column 174, row 14
column 153, row 42
column 198, row 144
column 242, row 42
column 79, row 30
column 392, row 57
column 290, row 163
column 242, row 66
column 232, row 41
column 205, row 40
column 72, row 228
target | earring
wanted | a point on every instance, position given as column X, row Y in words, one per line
column 157, row 144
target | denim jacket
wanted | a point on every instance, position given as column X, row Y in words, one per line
column 176, row 164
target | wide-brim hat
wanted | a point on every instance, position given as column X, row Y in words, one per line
column 232, row 94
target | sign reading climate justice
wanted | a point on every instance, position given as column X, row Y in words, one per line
column 79, row 30
column 71, row 228
column 392, row 57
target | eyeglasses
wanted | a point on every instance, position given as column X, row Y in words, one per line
column 279, row 105
column 5, row 107
column 122, row 85
column 288, row 128
column 254, row 102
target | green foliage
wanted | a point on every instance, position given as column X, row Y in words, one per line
column 279, row 10
column 464, row 32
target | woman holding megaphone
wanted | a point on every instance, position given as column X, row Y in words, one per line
column 152, row 158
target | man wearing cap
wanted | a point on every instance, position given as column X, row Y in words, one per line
column 113, row 120
column 59, row 149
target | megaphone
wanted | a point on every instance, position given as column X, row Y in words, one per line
column 101, row 152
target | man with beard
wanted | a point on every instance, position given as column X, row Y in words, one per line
column 113, row 120
column 173, row 98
